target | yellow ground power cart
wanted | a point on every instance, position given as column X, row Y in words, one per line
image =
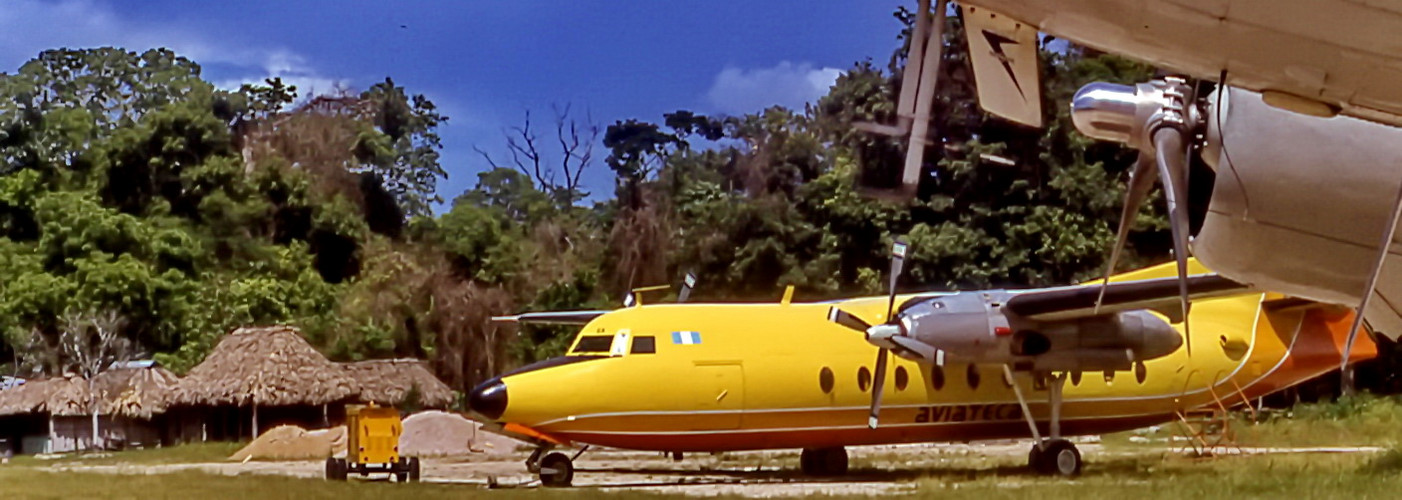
column 372, row 445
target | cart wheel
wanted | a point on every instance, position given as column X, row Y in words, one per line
column 414, row 469
column 556, row 470
column 335, row 469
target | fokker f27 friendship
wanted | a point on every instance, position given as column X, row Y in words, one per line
column 968, row 365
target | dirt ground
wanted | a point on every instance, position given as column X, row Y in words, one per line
column 762, row 474
column 876, row 469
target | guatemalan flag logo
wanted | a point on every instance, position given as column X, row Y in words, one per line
column 686, row 338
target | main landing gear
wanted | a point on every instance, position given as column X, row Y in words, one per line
column 1054, row 455
column 823, row 461
column 554, row 469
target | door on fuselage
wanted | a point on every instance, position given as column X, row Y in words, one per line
column 718, row 394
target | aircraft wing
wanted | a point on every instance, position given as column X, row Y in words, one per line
column 1344, row 53
column 552, row 317
column 1160, row 295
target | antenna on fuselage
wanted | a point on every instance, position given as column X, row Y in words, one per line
column 688, row 282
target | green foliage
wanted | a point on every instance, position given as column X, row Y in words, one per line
column 129, row 183
column 405, row 156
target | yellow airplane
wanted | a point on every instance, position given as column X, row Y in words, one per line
column 721, row 377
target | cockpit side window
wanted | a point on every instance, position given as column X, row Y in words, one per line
column 593, row 344
column 644, row 344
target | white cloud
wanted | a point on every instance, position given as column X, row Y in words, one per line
column 738, row 91
column 32, row 26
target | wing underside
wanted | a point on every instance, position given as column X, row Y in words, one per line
column 1160, row 295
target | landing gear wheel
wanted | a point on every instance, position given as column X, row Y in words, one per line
column 1058, row 457
column 556, row 470
column 414, row 469
column 823, row 461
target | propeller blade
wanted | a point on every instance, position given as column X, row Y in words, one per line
column 687, row 284
column 1140, row 181
column 878, row 384
column 848, row 320
column 898, row 248
column 1173, row 173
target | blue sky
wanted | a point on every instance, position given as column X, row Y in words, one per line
column 486, row 62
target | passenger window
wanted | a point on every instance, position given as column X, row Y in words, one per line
column 644, row 345
column 594, row 343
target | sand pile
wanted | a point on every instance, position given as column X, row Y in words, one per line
column 436, row 434
column 289, row 442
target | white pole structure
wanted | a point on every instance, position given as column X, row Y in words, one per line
column 1345, row 372
column 930, row 70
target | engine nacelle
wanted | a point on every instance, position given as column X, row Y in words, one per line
column 964, row 325
column 1107, row 342
column 973, row 328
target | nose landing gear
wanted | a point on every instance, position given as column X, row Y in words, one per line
column 555, row 469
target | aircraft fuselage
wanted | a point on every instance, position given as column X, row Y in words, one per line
column 744, row 377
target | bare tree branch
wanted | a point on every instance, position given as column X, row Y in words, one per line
column 92, row 342
column 576, row 141
column 576, row 144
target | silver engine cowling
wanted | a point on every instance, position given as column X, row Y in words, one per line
column 973, row 328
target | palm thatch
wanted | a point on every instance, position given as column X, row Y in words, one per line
column 60, row 396
column 265, row 366
column 390, row 381
column 67, row 396
column 136, row 392
column 23, row 399
column 127, row 392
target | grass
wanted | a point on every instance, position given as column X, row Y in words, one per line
column 28, row 483
column 1364, row 420
column 1361, row 420
column 1177, row 477
column 1129, row 469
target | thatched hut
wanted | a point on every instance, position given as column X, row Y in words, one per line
column 22, row 427
column 269, row 368
column 54, row 415
column 396, row 382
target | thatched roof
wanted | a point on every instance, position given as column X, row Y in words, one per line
column 27, row 398
column 67, row 396
column 137, row 392
column 267, row 366
column 389, row 381
column 61, row 396
column 127, row 392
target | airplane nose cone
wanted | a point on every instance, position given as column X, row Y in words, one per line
column 488, row 399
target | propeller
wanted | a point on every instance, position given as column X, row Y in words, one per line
column 844, row 318
column 1165, row 156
